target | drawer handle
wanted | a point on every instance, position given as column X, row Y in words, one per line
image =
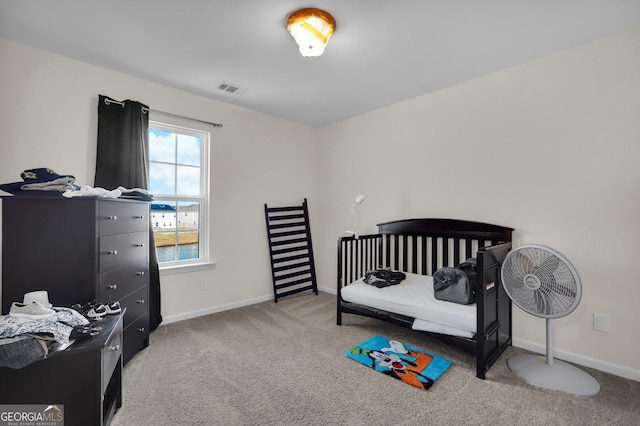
column 114, row 217
column 112, row 287
column 141, row 329
column 140, row 245
column 140, row 301
column 140, row 273
column 138, row 217
column 112, row 252
column 114, row 348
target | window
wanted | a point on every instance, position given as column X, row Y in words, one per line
column 178, row 180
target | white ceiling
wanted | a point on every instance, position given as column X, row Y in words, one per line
column 382, row 52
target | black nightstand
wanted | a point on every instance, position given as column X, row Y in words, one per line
column 86, row 378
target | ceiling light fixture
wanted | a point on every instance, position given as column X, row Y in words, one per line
column 311, row 28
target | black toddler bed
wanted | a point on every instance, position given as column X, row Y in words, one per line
column 421, row 246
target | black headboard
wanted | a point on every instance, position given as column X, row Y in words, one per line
column 447, row 227
column 424, row 245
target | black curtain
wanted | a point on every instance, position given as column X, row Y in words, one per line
column 122, row 160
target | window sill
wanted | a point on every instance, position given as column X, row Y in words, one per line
column 180, row 269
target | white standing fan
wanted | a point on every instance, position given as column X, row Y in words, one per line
column 543, row 282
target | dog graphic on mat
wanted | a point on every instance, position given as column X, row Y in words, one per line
column 402, row 368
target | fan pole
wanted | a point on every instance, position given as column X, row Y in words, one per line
column 549, row 342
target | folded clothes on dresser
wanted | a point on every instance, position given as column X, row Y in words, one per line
column 88, row 191
column 23, row 340
column 40, row 180
column 59, row 185
column 58, row 326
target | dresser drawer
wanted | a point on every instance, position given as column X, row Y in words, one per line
column 111, row 355
column 136, row 336
column 137, row 305
column 116, row 217
column 118, row 250
column 119, row 282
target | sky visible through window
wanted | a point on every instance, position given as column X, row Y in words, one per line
column 174, row 163
column 175, row 176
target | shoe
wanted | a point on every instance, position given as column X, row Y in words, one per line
column 78, row 308
column 90, row 310
column 113, row 308
column 96, row 312
column 82, row 332
column 31, row 311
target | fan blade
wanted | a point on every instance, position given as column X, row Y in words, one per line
column 516, row 269
column 566, row 289
column 523, row 264
column 548, row 267
column 543, row 302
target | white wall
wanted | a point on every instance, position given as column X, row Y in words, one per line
column 48, row 117
column 550, row 148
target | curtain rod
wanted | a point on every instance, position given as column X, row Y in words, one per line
column 108, row 101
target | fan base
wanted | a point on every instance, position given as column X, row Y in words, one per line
column 561, row 376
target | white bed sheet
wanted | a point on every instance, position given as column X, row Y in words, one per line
column 414, row 297
column 434, row 327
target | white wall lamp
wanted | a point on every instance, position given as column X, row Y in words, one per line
column 311, row 28
column 359, row 199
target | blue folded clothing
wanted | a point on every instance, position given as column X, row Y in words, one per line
column 39, row 180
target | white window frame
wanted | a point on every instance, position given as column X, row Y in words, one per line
column 203, row 261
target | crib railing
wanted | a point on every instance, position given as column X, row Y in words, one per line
column 356, row 256
column 417, row 254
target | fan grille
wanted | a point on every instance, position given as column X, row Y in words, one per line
column 541, row 281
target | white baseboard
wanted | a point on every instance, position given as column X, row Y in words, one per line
column 214, row 309
column 221, row 308
column 330, row 290
column 585, row 361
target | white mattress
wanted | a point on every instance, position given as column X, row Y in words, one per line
column 434, row 327
column 413, row 297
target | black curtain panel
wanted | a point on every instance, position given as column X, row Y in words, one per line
column 122, row 160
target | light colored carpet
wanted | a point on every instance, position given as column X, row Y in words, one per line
column 283, row 364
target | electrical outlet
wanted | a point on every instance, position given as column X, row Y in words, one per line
column 601, row 322
column 204, row 284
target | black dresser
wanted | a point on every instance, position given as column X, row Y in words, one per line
column 80, row 250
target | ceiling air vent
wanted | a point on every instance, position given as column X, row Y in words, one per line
column 232, row 88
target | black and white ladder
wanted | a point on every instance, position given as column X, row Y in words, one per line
column 292, row 266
